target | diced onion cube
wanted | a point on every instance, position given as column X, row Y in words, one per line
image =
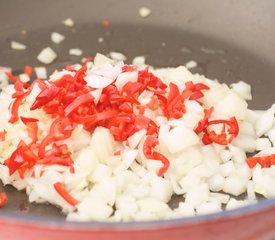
column 144, row 12
column 57, row 37
column 47, row 55
column 17, row 46
column 68, row 22
column 75, row 52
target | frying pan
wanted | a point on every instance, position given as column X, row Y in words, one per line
column 231, row 40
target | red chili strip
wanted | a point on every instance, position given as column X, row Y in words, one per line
column 3, row 135
column 83, row 99
column 3, row 199
column 15, row 107
column 175, row 103
column 60, row 129
column 61, row 190
column 22, row 158
column 106, row 23
column 51, row 160
column 12, row 77
column 222, row 138
column 148, row 149
column 28, row 70
column 265, row 161
column 32, row 127
column 44, row 97
column 129, row 68
column 204, row 122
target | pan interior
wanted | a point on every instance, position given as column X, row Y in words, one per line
column 162, row 47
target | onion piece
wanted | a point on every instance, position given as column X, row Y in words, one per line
column 139, row 60
column 144, row 12
column 41, row 72
column 191, row 64
column 118, row 56
column 68, row 22
column 24, row 77
column 57, row 37
column 47, row 55
column 17, row 46
column 75, row 52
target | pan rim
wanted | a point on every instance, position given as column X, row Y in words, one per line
column 57, row 223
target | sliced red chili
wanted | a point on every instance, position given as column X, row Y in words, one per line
column 222, row 138
column 148, row 149
column 83, row 99
column 129, row 68
column 3, row 135
column 32, row 127
column 28, row 70
column 12, row 77
column 97, row 117
column 60, row 129
column 149, row 80
column 264, row 161
column 194, row 91
column 61, row 190
column 175, row 104
column 106, row 23
column 23, row 157
column 3, row 199
column 131, row 88
column 45, row 96
column 51, row 160
column 15, row 107
column 204, row 122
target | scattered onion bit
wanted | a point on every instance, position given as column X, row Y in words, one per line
column 17, row 46
column 68, row 22
column 144, row 12
column 3, row 199
column 61, row 190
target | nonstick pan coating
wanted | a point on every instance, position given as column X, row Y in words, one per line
column 230, row 40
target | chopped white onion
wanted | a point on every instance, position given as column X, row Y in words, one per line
column 144, row 12
column 262, row 143
column 100, row 40
column 139, row 60
column 243, row 89
column 24, row 77
column 17, row 46
column 75, row 52
column 57, row 37
column 180, row 138
column 118, row 56
column 41, row 72
column 191, row 64
column 265, row 122
column 68, row 22
column 96, row 81
column 119, row 180
column 47, row 55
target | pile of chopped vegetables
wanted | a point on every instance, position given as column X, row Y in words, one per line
column 114, row 142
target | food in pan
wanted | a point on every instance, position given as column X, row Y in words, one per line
column 108, row 141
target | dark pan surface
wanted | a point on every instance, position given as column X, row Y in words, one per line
column 230, row 40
